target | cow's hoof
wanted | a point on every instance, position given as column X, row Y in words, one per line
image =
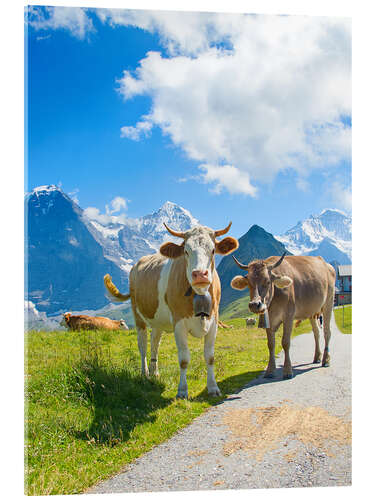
column 317, row 360
column 269, row 375
column 287, row 376
column 326, row 364
column 214, row 392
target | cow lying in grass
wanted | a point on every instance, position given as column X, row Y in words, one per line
column 83, row 322
column 288, row 288
column 163, row 288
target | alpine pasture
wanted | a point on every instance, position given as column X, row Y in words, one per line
column 89, row 411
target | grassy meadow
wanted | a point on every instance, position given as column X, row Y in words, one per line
column 89, row 412
column 344, row 323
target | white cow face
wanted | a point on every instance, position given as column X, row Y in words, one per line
column 64, row 318
column 198, row 249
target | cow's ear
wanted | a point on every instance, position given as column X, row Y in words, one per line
column 239, row 283
column 171, row 250
column 282, row 281
column 226, row 246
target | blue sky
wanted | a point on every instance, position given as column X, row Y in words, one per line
column 242, row 118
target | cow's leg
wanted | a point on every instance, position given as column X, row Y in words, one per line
column 155, row 341
column 327, row 313
column 181, row 334
column 209, row 351
column 285, row 342
column 142, row 346
column 271, row 349
column 315, row 328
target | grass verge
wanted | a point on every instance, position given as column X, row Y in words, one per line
column 344, row 322
column 89, row 412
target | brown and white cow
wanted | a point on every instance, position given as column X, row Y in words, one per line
column 83, row 322
column 300, row 288
column 162, row 288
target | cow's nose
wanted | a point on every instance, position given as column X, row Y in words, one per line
column 199, row 275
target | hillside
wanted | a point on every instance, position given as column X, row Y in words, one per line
column 237, row 309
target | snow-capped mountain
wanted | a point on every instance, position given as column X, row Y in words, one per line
column 124, row 243
column 328, row 234
column 65, row 264
column 68, row 253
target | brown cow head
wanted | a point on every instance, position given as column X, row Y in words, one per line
column 198, row 249
column 65, row 319
column 260, row 280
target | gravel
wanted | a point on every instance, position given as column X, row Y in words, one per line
column 194, row 459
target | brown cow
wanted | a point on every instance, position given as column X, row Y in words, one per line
column 300, row 288
column 162, row 291
column 316, row 316
column 82, row 322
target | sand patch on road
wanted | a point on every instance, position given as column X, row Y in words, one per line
column 259, row 430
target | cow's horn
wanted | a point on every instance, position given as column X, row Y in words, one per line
column 272, row 266
column 242, row 266
column 220, row 232
column 174, row 233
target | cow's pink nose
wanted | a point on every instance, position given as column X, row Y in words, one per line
column 199, row 276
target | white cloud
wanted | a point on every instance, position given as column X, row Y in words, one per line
column 188, row 33
column 272, row 97
column 142, row 128
column 341, row 196
column 73, row 19
column 229, row 177
column 118, row 205
column 302, row 184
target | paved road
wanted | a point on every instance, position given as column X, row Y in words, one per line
column 273, row 433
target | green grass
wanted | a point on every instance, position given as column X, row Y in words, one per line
column 346, row 325
column 89, row 412
column 236, row 309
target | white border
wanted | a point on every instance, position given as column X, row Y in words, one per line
column 363, row 192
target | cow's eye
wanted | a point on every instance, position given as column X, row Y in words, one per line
column 213, row 252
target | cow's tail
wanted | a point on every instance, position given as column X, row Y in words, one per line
column 113, row 292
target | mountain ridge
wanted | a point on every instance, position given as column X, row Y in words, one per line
column 332, row 228
column 68, row 252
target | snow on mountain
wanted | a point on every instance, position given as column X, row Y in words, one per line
column 65, row 263
column 329, row 233
column 68, row 253
column 125, row 243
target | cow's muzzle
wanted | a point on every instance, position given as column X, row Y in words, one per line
column 257, row 306
column 200, row 278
